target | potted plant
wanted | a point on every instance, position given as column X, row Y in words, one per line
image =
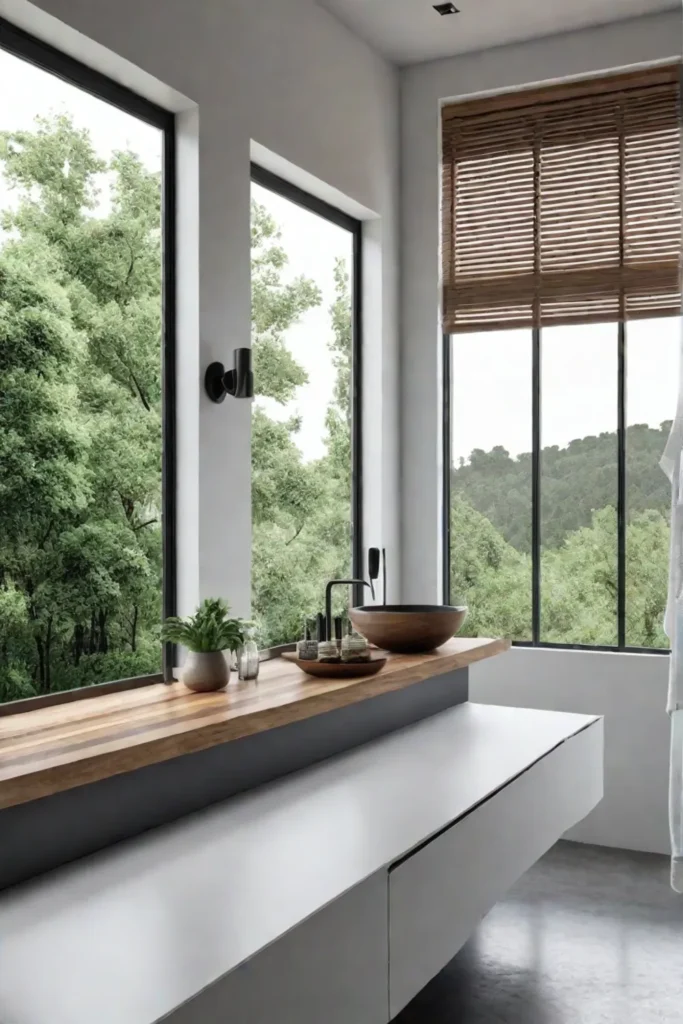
column 206, row 635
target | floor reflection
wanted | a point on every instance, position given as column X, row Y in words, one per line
column 589, row 936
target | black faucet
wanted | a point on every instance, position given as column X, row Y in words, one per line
column 328, row 600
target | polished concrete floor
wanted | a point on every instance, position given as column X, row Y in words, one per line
column 589, row 936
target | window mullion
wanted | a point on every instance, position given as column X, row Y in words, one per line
column 536, row 407
column 536, row 488
column 447, row 456
column 621, row 399
column 169, row 478
column 621, row 489
column 357, row 413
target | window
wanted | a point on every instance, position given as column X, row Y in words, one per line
column 562, row 219
column 579, row 484
column 652, row 355
column 86, row 378
column 490, row 508
column 306, row 471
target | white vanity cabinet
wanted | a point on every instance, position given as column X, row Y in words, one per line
column 329, row 897
column 439, row 894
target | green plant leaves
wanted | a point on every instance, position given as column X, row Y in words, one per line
column 209, row 629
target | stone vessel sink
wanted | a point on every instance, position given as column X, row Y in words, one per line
column 408, row 628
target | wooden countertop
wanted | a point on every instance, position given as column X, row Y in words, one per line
column 53, row 749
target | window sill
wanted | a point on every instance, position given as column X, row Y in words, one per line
column 53, row 749
column 525, row 645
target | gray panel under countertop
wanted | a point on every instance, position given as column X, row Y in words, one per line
column 47, row 833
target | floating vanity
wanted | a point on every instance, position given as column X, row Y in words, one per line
column 332, row 894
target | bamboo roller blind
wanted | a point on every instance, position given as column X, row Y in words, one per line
column 563, row 205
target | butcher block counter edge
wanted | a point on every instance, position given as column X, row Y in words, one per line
column 57, row 748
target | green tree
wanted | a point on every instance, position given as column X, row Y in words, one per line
column 647, row 577
column 43, row 450
column 578, row 580
column 80, row 420
column 579, row 585
column 301, row 511
column 488, row 575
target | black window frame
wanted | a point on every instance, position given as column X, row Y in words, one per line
column 621, row 647
column 46, row 57
column 280, row 186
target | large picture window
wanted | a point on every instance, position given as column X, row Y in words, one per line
column 86, row 378
column 562, row 220
column 306, row 474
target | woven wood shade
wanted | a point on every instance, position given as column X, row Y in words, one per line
column 563, row 205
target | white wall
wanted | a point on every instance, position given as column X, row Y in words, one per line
column 423, row 87
column 289, row 77
column 630, row 691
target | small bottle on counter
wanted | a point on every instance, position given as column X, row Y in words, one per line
column 248, row 661
column 355, row 648
column 328, row 652
column 307, row 649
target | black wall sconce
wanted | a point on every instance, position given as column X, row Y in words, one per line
column 238, row 382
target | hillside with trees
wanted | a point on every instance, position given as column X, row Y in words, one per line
column 491, row 540
column 576, row 480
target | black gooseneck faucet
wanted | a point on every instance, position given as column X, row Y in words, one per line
column 328, row 600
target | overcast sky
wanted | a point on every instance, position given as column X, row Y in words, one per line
column 492, row 383
column 491, row 371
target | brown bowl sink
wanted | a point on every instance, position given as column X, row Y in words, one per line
column 408, row 628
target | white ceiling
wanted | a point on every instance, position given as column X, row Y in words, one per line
column 408, row 31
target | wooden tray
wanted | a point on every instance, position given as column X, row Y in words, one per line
column 339, row 669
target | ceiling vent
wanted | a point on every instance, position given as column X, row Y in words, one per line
column 446, row 9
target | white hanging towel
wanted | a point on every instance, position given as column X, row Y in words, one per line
column 671, row 463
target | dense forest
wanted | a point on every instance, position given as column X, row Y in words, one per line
column 491, row 528
column 80, row 422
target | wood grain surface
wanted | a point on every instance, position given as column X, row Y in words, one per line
column 53, row 749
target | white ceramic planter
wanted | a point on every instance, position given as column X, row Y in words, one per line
column 206, row 671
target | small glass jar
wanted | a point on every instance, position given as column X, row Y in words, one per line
column 328, row 652
column 355, row 648
column 248, row 663
column 307, row 649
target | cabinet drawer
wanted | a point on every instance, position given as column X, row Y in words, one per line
column 438, row 895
